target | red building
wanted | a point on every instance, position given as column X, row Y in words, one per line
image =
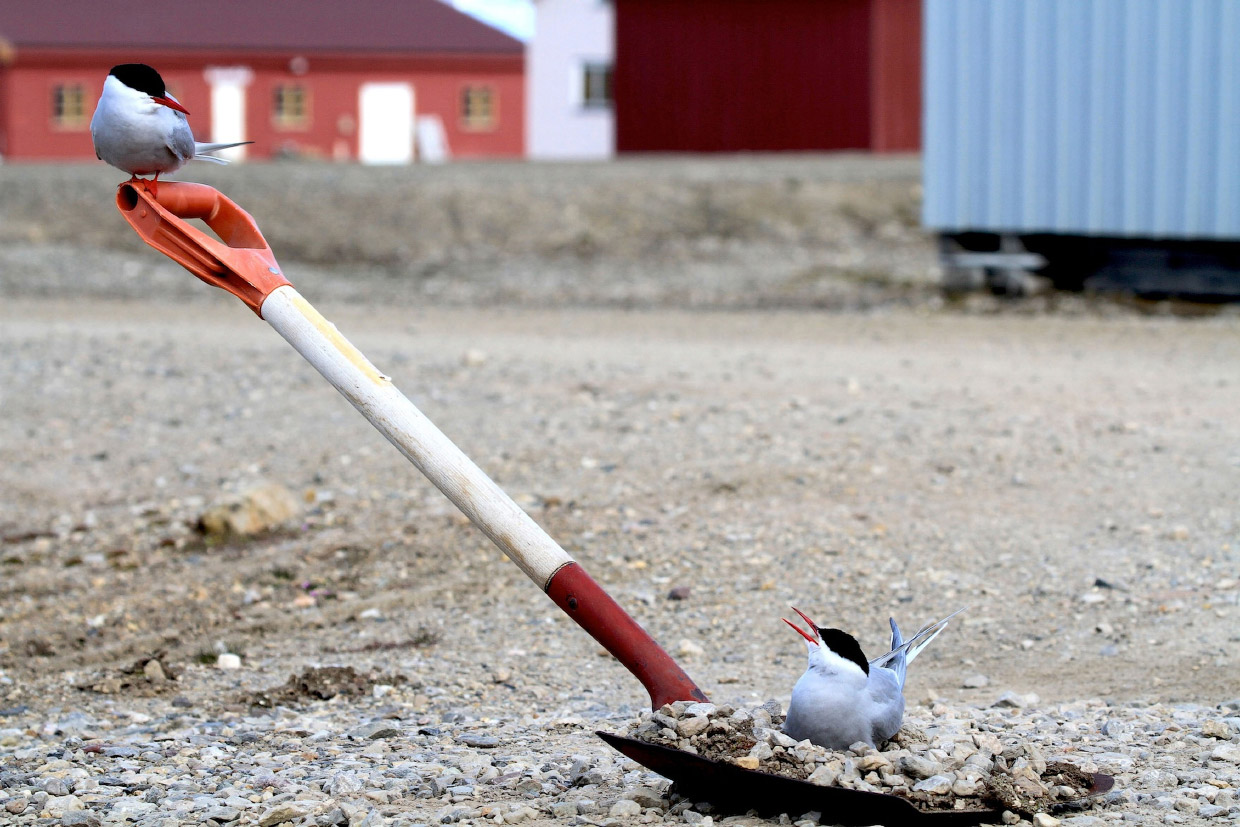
column 767, row 75
column 314, row 78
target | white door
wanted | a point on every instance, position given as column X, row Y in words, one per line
column 386, row 123
column 228, row 85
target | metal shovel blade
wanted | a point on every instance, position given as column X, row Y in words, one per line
column 730, row 788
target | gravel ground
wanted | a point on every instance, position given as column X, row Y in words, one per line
column 1068, row 473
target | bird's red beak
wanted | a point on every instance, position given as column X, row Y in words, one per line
column 171, row 104
column 812, row 625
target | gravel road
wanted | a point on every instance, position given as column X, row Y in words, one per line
column 1070, row 476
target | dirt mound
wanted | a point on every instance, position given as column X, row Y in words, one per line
column 321, row 683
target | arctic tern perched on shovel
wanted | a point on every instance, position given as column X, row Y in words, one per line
column 139, row 128
column 842, row 698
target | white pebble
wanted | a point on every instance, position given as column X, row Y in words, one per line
column 625, row 807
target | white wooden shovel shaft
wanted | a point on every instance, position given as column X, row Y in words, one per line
column 398, row 419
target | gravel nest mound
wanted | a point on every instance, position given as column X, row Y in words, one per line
column 947, row 760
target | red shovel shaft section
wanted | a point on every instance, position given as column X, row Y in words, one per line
column 584, row 601
column 242, row 263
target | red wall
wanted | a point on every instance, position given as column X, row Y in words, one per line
column 766, row 75
column 895, row 92
column 334, row 106
column 27, row 131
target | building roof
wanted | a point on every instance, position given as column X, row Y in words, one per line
column 243, row 25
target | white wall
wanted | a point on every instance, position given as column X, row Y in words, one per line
column 567, row 35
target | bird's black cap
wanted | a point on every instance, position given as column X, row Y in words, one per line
column 844, row 645
column 141, row 77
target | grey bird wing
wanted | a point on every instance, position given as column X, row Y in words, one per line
column 888, row 699
column 181, row 140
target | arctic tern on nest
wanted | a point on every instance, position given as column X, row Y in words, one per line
column 842, row 699
column 140, row 128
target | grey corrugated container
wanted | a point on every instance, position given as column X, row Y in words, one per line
column 1115, row 118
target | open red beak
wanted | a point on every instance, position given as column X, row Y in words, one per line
column 171, row 104
column 812, row 626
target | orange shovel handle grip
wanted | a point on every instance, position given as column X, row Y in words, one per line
column 239, row 261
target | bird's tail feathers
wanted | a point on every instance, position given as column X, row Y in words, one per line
column 904, row 651
column 201, row 149
column 899, row 663
column 897, row 640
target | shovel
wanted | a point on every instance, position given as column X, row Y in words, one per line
column 241, row 262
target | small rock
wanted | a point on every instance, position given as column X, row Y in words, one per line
column 56, row 786
column 520, row 814
column 79, row 818
column 688, row 649
column 778, row 739
column 1214, row 728
column 473, row 358
column 1014, row 700
column 57, row 805
column 822, row 775
column 1226, row 752
column 701, row 708
column 935, row 785
column 915, row 766
column 17, row 806
column 874, row 762
column 333, row 817
column 679, row 593
column 564, row 809
column 251, row 512
column 689, row 726
column 473, row 739
column 374, row 730
column 154, row 671
column 625, row 807
column 1045, row 820
column 1211, row 811
column 344, row 783
column 976, row 682
column 281, row 813
column 647, row 797
column 228, row 661
column 1009, row 817
column 967, row 787
column 223, row 815
column 750, row 762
